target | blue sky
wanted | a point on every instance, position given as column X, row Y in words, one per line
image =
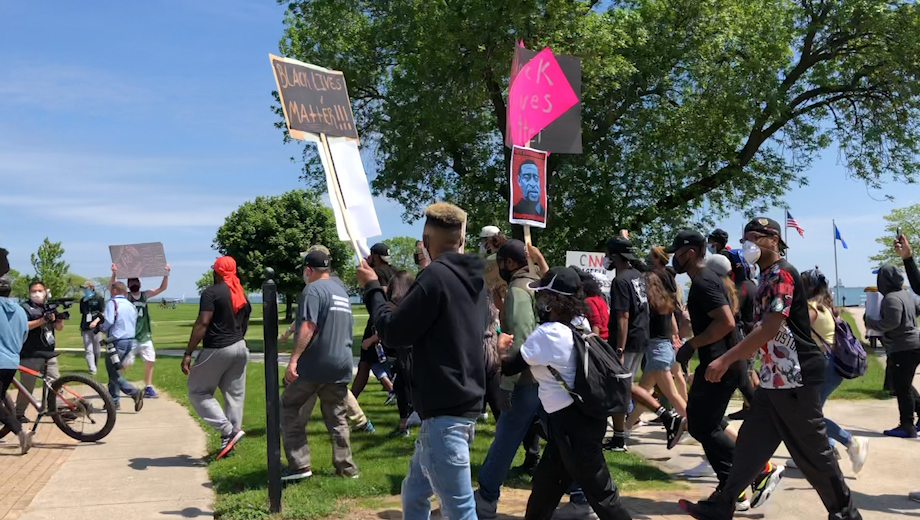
column 138, row 122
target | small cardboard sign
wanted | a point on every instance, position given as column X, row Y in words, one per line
column 528, row 187
column 139, row 260
column 314, row 100
column 544, row 101
column 493, row 279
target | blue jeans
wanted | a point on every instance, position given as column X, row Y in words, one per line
column 441, row 466
column 510, row 430
column 116, row 380
column 831, row 381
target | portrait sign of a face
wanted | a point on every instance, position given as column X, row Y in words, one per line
column 528, row 187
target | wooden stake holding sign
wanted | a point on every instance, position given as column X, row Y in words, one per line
column 529, row 241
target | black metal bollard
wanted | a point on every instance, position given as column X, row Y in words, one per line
column 272, row 402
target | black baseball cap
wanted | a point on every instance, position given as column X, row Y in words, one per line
column 582, row 274
column 382, row 250
column 560, row 280
column 686, row 237
column 513, row 250
column 623, row 247
column 719, row 235
column 767, row 226
column 317, row 259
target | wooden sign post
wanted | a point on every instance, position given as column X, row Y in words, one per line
column 529, row 241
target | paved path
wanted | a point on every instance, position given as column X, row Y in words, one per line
column 23, row 477
column 149, row 467
column 892, row 470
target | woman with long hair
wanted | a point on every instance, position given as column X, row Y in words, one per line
column 823, row 315
column 659, row 355
column 399, row 286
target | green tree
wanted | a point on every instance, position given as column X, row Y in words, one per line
column 19, row 285
column 402, row 253
column 908, row 221
column 206, row 280
column 272, row 232
column 51, row 268
column 102, row 284
column 691, row 108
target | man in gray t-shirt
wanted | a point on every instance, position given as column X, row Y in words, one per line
column 323, row 342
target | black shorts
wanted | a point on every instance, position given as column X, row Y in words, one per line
column 370, row 356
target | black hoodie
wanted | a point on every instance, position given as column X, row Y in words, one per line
column 443, row 318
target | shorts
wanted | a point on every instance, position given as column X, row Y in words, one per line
column 145, row 349
column 369, row 356
column 659, row 356
column 632, row 361
column 381, row 370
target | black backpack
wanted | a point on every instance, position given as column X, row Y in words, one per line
column 603, row 386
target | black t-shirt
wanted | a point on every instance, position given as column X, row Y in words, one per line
column 707, row 293
column 747, row 295
column 659, row 325
column 90, row 309
column 226, row 328
column 40, row 339
column 627, row 293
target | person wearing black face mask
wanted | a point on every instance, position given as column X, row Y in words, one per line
column 516, row 424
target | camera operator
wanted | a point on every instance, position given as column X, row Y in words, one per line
column 91, row 307
column 39, row 346
column 119, row 322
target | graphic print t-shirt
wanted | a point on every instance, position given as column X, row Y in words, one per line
column 328, row 357
column 627, row 293
column 792, row 358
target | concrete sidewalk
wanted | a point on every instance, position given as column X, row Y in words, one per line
column 880, row 491
column 149, row 467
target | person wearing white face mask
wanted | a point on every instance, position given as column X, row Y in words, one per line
column 787, row 406
column 39, row 345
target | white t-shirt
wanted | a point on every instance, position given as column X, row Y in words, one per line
column 551, row 344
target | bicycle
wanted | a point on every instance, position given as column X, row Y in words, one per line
column 72, row 401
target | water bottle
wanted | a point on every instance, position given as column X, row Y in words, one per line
column 381, row 355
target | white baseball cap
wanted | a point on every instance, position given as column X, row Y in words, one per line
column 489, row 231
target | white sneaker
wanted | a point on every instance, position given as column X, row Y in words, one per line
column 858, row 450
column 485, row 510
column 914, row 495
column 573, row 511
column 25, row 441
column 414, row 420
column 703, row 470
column 742, row 504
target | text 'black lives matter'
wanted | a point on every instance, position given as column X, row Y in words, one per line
column 315, row 100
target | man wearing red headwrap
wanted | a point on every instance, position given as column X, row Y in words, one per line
column 222, row 321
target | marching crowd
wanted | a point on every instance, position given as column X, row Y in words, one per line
column 446, row 346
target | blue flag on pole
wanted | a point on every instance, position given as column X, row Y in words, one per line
column 838, row 237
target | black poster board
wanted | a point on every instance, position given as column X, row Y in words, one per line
column 563, row 135
column 314, row 100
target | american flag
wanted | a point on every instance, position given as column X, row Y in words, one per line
column 792, row 223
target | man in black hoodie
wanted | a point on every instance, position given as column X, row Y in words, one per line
column 442, row 318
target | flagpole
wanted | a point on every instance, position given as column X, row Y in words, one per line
column 786, row 227
column 836, row 276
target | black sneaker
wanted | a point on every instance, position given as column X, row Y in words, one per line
column 528, row 467
column 227, row 443
column 740, row 415
column 292, row 474
column 616, row 443
column 138, row 400
column 765, row 485
column 675, row 426
column 703, row 510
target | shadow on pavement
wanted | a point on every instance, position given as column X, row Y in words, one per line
column 181, row 461
column 189, row 512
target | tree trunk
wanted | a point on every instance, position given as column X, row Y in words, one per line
column 289, row 306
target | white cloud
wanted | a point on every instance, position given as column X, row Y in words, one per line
column 58, row 87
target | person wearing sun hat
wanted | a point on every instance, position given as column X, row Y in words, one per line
column 223, row 318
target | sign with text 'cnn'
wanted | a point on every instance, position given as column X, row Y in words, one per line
column 592, row 263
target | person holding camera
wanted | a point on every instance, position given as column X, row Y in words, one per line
column 92, row 306
column 38, row 349
column 119, row 321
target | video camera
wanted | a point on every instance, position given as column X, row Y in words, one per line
column 57, row 309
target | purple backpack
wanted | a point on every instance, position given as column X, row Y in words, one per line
column 849, row 356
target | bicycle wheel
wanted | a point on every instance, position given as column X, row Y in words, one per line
column 86, row 412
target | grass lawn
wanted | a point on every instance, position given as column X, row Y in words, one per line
column 240, row 480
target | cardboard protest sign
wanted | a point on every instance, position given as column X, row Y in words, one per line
column 493, row 279
column 314, row 100
column 359, row 205
column 528, row 187
column 139, row 260
column 544, row 101
column 592, row 263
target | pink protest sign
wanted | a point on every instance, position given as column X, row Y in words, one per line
column 544, row 105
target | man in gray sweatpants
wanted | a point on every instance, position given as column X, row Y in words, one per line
column 223, row 319
column 320, row 367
